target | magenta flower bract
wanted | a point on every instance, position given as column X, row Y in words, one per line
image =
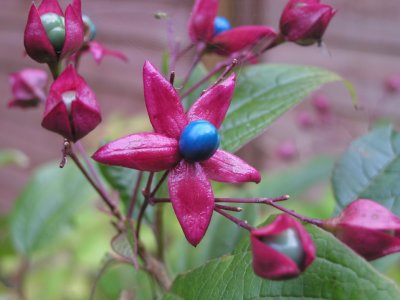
column 98, row 51
column 268, row 261
column 201, row 31
column 28, row 88
column 305, row 21
column 71, row 107
column 36, row 40
column 188, row 182
column 367, row 227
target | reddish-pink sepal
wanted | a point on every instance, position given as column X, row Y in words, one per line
column 270, row 263
column 192, row 199
column 50, row 6
column 305, row 22
column 37, row 44
column 74, row 29
column 98, row 52
column 163, row 105
column 201, row 22
column 28, row 88
column 57, row 120
column 240, row 38
column 85, row 112
column 368, row 228
column 226, row 167
column 151, row 152
column 214, row 103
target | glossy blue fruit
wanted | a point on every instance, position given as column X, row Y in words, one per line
column 221, row 24
column 199, row 141
column 287, row 243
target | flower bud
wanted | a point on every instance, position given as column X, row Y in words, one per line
column 287, row 151
column 90, row 29
column 282, row 249
column 368, row 228
column 392, row 83
column 51, row 35
column 305, row 21
column 71, row 107
column 28, row 88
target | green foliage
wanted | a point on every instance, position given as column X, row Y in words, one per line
column 337, row 273
column 265, row 92
column 13, row 157
column 46, row 206
column 370, row 169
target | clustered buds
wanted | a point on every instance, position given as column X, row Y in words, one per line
column 305, row 21
column 51, row 35
column 282, row 249
column 28, row 88
column 368, row 228
column 71, row 107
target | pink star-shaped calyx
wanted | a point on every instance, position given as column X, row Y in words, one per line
column 188, row 181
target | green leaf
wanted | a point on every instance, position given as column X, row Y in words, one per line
column 265, row 92
column 295, row 181
column 337, row 273
column 46, row 206
column 121, row 179
column 370, row 169
column 124, row 245
column 13, row 157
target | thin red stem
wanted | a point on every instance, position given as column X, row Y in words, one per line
column 159, row 183
column 237, row 221
column 146, row 194
column 294, row 214
column 229, row 208
column 135, row 193
column 114, row 210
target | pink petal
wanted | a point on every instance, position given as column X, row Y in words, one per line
column 213, row 104
column 241, row 37
column 98, row 52
column 226, row 167
column 50, row 6
column 144, row 151
column 192, row 199
column 164, row 107
column 74, row 30
column 36, row 42
column 201, row 22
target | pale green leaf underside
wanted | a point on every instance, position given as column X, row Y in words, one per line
column 370, row 168
column 46, row 206
column 263, row 93
column 337, row 273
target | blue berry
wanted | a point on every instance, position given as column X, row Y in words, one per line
column 199, row 141
column 221, row 24
column 287, row 243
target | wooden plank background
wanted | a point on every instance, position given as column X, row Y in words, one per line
column 363, row 40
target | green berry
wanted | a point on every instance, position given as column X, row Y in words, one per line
column 287, row 243
column 55, row 29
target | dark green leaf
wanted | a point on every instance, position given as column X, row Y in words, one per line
column 265, row 92
column 370, row 169
column 46, row 206
column 121, row 179
column 337, row 273
column 295, row 181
